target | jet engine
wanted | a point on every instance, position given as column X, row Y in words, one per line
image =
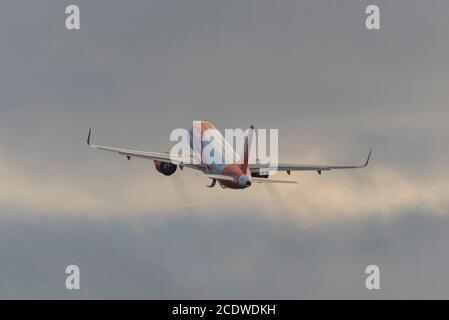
column 166, row 168
column 259, row 175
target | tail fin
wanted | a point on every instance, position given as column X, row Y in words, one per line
column 246, row 151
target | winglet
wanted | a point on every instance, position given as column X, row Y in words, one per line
column 367, row 159
column 88, row 137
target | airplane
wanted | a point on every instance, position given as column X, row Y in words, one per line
column 233, row 175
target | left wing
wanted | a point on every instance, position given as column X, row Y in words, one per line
column 155, row 156
column 264, row 169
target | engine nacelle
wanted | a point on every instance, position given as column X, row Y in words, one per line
column 166, row 168
column 259, row 175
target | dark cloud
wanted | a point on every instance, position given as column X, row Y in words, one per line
column 226, row 257
column 309, row 68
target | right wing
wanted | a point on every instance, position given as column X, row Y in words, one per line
column 261, row 169
column 155, row 156
column 267, row 180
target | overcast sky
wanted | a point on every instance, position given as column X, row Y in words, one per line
column 138, row 69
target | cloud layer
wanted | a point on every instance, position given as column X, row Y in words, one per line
column 229, row 256
column 374, row 190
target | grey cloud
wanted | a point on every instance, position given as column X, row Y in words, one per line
column 227, row 257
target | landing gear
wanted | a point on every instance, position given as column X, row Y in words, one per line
column 214, row 182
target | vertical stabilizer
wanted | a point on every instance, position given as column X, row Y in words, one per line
column 246, row 151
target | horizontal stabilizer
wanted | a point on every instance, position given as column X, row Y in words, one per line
column 219, row 177
column 267, row 180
